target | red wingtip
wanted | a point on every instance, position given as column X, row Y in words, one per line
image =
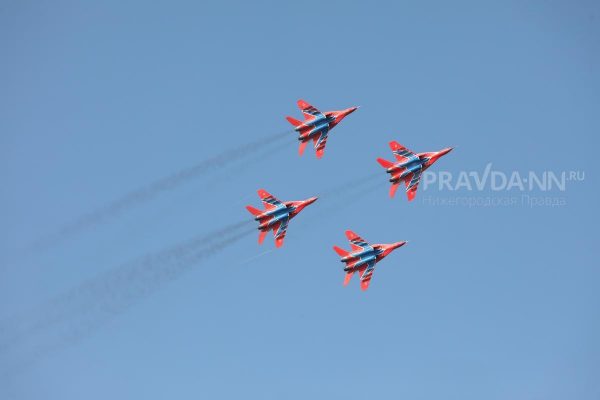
column 262, row 193
column 364, row 283
column 350, row 235
column 303, row 104
column 278, row 242
column 411, row 194
column 396, row 146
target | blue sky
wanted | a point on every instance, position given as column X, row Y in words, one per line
column 484, row 302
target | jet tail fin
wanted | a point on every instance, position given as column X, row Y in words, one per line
column 341, row 252
column 348, row 277
column 385, row 163
column 261, row 236
column 302, row 147
column 393, row 189
column 253, row 210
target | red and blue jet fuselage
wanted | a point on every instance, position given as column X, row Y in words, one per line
column 409, row 167
column 363, row 257
column 316, row 125
column 276, row 215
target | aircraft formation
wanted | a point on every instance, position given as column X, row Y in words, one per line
column 362, row 257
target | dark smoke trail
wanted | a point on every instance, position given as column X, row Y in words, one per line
column 133, row 279
column 83, row 297
column 115, row 291
column 256, row 157
column 148, row 192
column 135, row 276
column 83, row 310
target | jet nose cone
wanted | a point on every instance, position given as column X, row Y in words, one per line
column 446, row 151
column 400, row 244
column 311, row 200
column 347, row 111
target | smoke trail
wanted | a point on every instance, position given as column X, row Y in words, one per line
column 79, row 299
column 120, row 285
column 136, row 277
column 86, row 308
column 256, row 157
column 148, row 192
column 109, row 295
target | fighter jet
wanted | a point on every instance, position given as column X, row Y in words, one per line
column 409, row 167
column 276, row 215
column 316, row 125
column 363, row 257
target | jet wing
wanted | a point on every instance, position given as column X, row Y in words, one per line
column 309, row 111
column 366, row 273
column 402, row 153
column 268, row 199
column 356, row 241
column 279, row 231
column 320, row 143
column 412, row 182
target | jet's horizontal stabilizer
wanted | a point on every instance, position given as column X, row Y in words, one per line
column 341, row 252
column 293, row 121
column 253, row 210
column 385, row 163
